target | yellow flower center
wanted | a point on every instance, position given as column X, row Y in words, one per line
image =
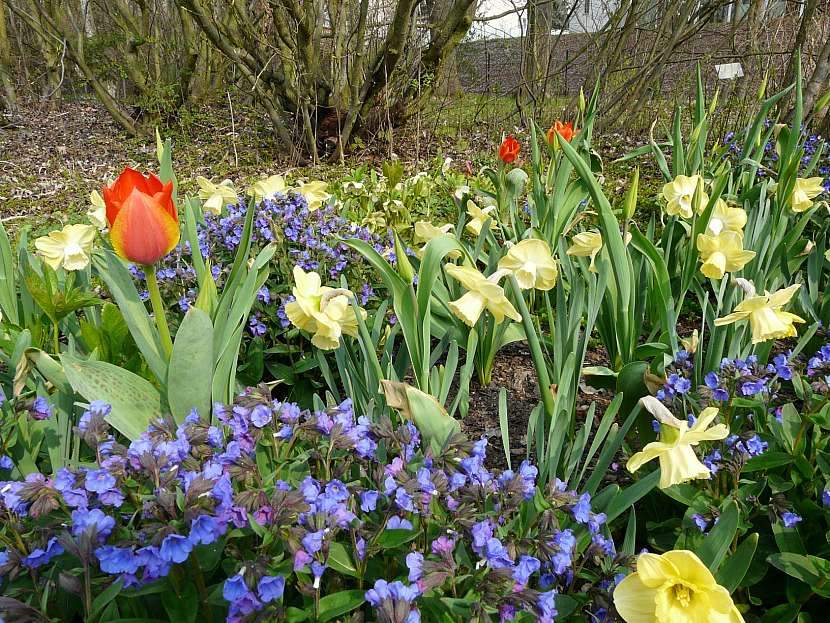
column 682, row 594
column 668, row 433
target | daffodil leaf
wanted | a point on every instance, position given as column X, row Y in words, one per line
column 716, row 544
column 631, row 494
column 8, row 287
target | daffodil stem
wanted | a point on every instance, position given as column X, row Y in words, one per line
column 158, row 309
column 56, row 338
column 535, row 353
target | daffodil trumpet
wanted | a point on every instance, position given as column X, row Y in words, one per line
column 673, row 587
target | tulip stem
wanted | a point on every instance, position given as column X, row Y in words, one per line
column 158, row 309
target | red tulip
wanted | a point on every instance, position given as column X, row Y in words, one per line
column 509, row 150
column 144, row 224
column 565, row 130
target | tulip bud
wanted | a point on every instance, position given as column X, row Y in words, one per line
column 142, row 217
column 582, row 101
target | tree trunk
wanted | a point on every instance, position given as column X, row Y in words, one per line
column 818, row 80
column 9, row 95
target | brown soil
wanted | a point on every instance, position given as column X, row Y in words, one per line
column 513, row 370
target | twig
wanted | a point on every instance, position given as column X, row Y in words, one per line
column 233, row 131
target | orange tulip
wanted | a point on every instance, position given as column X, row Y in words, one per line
column 509, row 150
column 144, row 224
column 565, row 130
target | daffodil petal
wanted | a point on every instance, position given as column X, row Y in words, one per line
column 634, row 600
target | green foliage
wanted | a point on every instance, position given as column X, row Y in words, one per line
column 190, row 370
column 135, row 402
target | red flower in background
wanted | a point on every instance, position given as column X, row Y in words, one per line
column 144, row 224
column 565, row 130
column 509, row 150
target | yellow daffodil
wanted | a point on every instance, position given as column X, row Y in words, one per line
column 722, row 253
column 678, row 461
column 307, row 294
column 97, row 214
column 478, row 216
column 325, row 312
column 675, row 587
column 726, row 218
column 69, row 248
column 216, row 196
column 804, row 191
column 315, row 194
column 679, row 194
column 586, row 244
column 827, row 255
column 426, row 231
column 483, row 292
column 532, row 264
column 267, row 188
column 767, row 320
column 336, row 317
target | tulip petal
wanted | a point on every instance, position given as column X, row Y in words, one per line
column 117, row 194
column 143, row 232
column 165, row 198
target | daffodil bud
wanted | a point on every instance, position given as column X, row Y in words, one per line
column 631, row 196
column 405, row 269
column 762, row 88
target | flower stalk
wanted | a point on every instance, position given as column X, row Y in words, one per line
column 158, row 309
column 535, row 353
